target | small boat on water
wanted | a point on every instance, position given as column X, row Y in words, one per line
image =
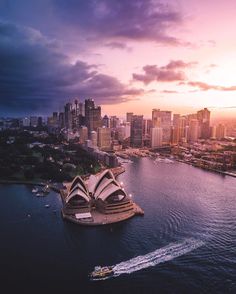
column 46, row 189
column 35, row 190
column 101, row 273
column 40, row 194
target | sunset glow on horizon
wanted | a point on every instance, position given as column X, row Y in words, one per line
column 127, row 55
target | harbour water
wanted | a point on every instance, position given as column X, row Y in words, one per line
column 185, row 242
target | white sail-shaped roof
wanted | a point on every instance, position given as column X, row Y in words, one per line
column 107, row 174
column 78, row 180
column 77, row 192
column 100, row 187
column 109, row 191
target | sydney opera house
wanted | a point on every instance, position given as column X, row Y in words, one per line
column 97, row 201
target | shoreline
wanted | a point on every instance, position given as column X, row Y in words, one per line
column 225, row 173
column 116, row 170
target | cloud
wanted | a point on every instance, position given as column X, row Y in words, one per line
column 206, row 87
column 116, row 20
column 171, row 72
column 170, row 92
column 118, row 45
column 36, row 76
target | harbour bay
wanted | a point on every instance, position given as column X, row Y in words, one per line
column 40, row 251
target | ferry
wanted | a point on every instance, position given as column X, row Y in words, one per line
column 101, row 273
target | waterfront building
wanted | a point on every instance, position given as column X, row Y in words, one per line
column 104, row 138
column 156, row 137
column 136, row 136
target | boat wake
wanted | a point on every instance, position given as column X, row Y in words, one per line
column 161, row 255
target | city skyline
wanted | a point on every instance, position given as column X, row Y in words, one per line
column 129, row 56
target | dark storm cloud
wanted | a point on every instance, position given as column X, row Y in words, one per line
column 114, row 19
column 35, row 75
column 171, row 72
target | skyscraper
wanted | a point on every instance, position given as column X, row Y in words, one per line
column 83, row 134
column 162, row 119
column 220, row 131
column 92, row 115
column 156, row 137
column 105, row 121
column 129, row 116
column 203, row 117
column 68, row 115
column 193, row 130
column 104, row 138
column 136, row 136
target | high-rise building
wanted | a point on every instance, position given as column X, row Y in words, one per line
column 92, row 115
column 176, row 119
column 175, row 130
column 121, row 133
column 55, row 119
column 156, row 137
column 129, row 116
column 83, row 134
column 81, row 108
column 220, row 131
column 104, row 138
column 68, row 116
column 94, row 138
column 203, row 117
column 34, row 121
column 162, row 119
column 61, row 120
column 136, row 136
column 105, row 121
column 193, row 130
column 182, row 129
column 114, row 122
column 25, row 122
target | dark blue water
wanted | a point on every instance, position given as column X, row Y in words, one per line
column 186, row 240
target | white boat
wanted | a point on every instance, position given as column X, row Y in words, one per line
column 40, row 194
column 35, row 190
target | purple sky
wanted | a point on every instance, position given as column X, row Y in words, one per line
column 128, row 55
